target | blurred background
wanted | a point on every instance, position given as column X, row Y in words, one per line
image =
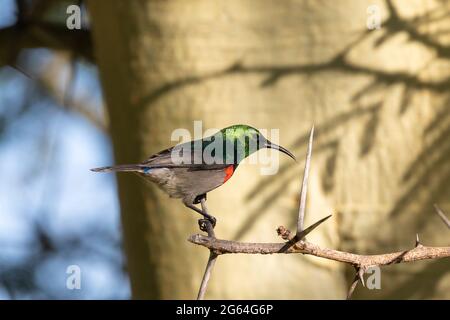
column 52, row 130
column 372, row 76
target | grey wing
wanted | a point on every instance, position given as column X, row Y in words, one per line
column 186, row 155
column 163, row 157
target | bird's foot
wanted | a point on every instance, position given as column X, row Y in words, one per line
column 203, row 223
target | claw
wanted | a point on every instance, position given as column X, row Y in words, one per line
column 202, row 223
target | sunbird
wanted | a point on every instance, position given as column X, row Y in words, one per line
column 190, row 170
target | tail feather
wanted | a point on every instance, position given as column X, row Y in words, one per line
column 119, row 168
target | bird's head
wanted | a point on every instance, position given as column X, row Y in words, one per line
column 247, row 140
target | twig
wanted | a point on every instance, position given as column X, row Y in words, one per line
column 209, row 267
column 304, row 190
column 442, row 215
column 212, row 256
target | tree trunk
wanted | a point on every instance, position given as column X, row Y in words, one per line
column 164, row 64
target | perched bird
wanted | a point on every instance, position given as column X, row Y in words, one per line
column 190, row 170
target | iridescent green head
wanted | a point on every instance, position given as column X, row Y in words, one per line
column 242, row 140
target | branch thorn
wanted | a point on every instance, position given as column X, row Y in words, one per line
column 304, row 190
column 360, row 274
column 352, row 287
column 442, row 215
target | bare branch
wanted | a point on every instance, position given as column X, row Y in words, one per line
column 212, row 255
column 209, row 267
column 304, row 190
column 442, row 215
column 225, row 246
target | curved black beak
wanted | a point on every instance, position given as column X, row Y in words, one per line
column 271, row 145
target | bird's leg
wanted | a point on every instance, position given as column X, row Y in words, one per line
column 206, row 215
column 198, row 199
column 204, row 211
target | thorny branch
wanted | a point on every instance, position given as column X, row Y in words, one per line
column 297, row 244
column 420, row 252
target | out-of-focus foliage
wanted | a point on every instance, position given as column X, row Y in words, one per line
column 53, row 211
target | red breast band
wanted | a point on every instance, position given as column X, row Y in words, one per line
column 228, row 173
